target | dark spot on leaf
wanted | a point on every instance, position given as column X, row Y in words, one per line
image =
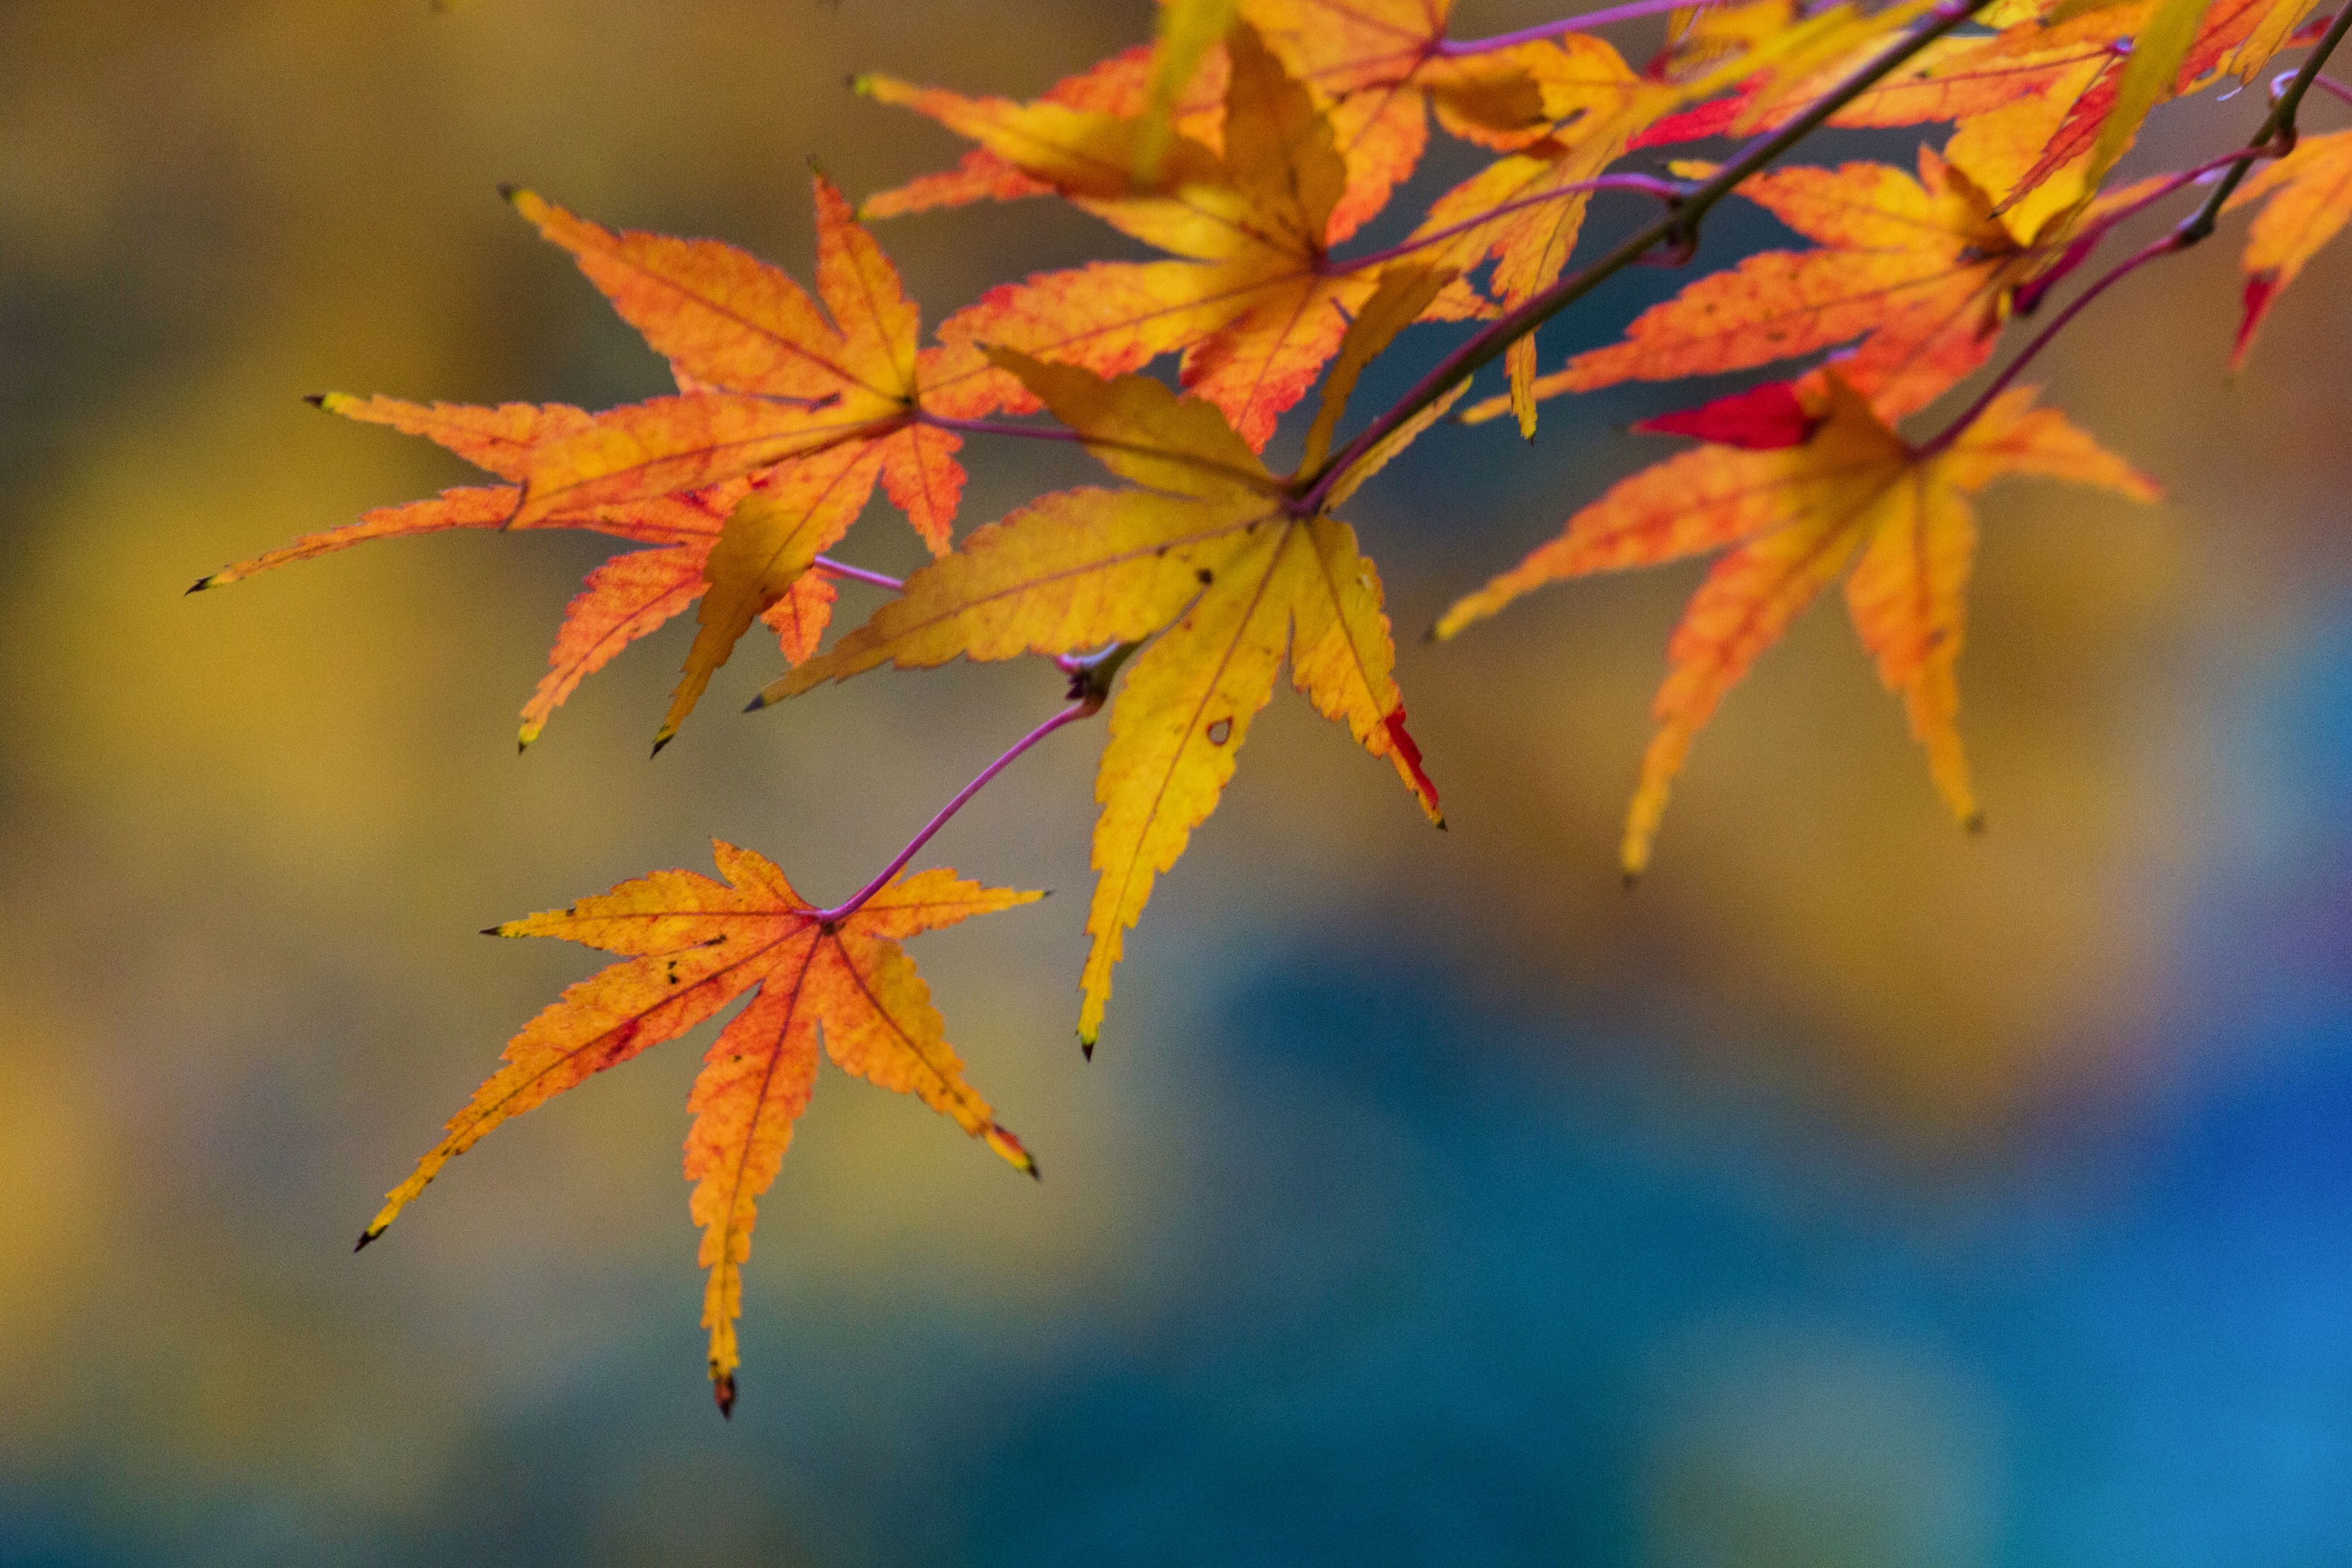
column 1221, row 732
column 830, row 926
column 1206, row 576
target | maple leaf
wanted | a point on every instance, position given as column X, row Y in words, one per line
column 1209, row 557
column 765, row 375
column 1923, row 269
column 1373, row 65
column 1255, row 307
column 1792, row 518
column 745, row 340
column 2036, row 100
column 2158, row 50
column 1953, row 78
column 1526, row 210
column 2310, row 193
column 1119, row 87
column 691, row 946
column 1382, row 65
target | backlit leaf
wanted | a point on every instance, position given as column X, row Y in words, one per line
column 690, row 946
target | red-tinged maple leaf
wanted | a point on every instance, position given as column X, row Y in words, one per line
column 847, row 380
column 1792, row 519
column 1257, row 307
column 2310, row 193
column 1526, row 210
column 691, row 946
column 1922, row 269
column 1952, row 79
column 2058, row 81
column 2157, row 50
column 1210, row 558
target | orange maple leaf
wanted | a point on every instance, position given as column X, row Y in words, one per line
column 1210, row 558
column 2155, row 51
column 1923, row 270
column 1372, row 64
column 1381, row 65
column 1792, row 518
column 2310, row 193
column 1526, row 210
column 2059, row 81
column 832, row 400
column 1118, row 87
column 692, row 946
column 1257, row 306
column 1952, row 79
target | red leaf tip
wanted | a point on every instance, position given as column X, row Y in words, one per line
column 1409, row 754
column 1761, row 419
column 2259, row 289
column 722, row 1389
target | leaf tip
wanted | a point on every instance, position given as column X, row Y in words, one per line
column 1441, row 826
column 664, row 738
column 861, row 83
column 318, row 399
column 510, row 193
column 1014, row 1154
column 1085, row 1045
column 722, row 1389
column 1629, row 879
column 201, row 584
column 756, row 703
column 1973, row 825
column 370, row 1234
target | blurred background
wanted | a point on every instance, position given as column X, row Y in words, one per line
column 1852, row 1193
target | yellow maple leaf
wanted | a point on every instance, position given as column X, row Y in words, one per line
column 1212, row 558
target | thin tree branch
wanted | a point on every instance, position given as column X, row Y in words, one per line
column 1451, row 49
column 996, row 427
column 1089, row 688
column 1667, row 191
column 2041, row 340
column 1677, row 225
column 858, row 574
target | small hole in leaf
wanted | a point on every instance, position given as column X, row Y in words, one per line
column 1221, row 732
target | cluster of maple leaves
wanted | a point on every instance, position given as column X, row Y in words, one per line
column 1248, row 143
